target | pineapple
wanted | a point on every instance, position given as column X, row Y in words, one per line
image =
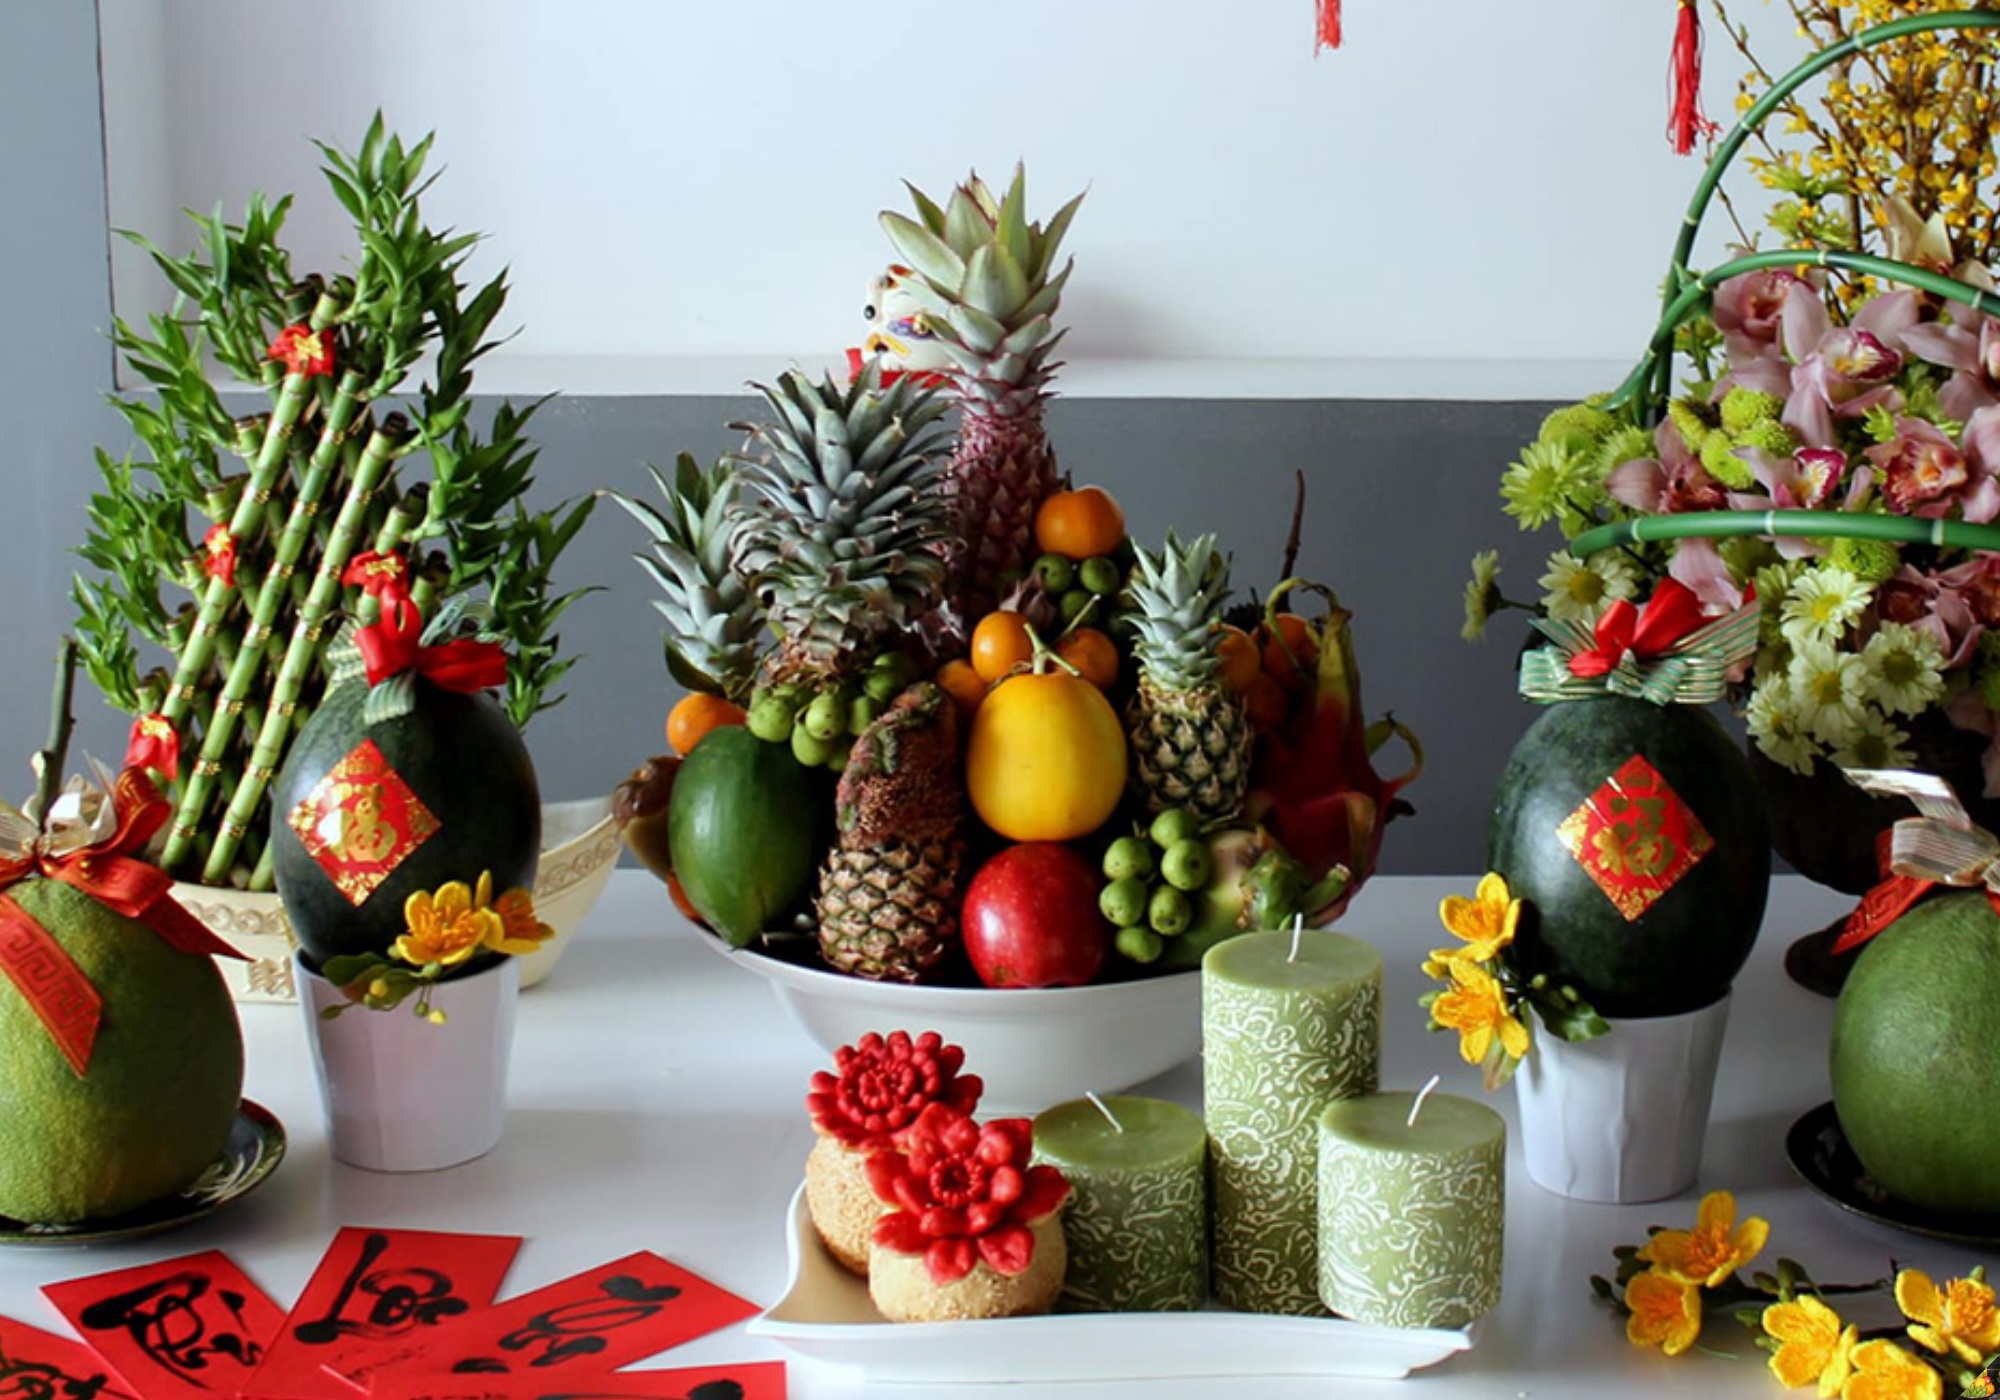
column 889, row 892
column 843, row 540
column 1190, row 737
column 713, row 623
column 987, row 280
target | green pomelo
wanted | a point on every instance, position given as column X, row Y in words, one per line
column 156, row 1105
column 1916, row 1056
column 1684, row 948
column 744, row 829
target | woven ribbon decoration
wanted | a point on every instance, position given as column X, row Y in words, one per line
column 1938, row 846
column 97, row 852
column 1665, row 654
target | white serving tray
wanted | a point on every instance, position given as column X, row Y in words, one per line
column 826, row 1315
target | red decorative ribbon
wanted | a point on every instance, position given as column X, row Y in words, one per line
column 55, row 988
column 1671, row 613
column 219, row 554
column 1685, row 122
column 1329, row 25
column 393, row 643
column 1941, row 846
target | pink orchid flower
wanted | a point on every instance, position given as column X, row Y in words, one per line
column 1749, row 310
column 1670, row 484
column 1926, row 474
column 1940, row 604
column 1966, row 710
column 1969, row 345
column 1842, row 371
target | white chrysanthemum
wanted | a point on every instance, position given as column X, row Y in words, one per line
column 1577, row 590
column 1905, row 668
column 1828, row 689
column 1875, row 743
column 1822, row 602
column 1774, row 722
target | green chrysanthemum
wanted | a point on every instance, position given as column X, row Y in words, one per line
column 1694, row 421
column 1905, row 668
column 1871, row 561
column 1580, row 589
column 1772, row 436
column 1875, row 743
column 1579, row 428
column 1718, row 454
column 1482, row 594
column 1627, row 444
column 1743, row 409
column 1546, row 482
column 1746, row 554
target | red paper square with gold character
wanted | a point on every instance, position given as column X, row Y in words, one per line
column 361, row 821
column 1635, row 837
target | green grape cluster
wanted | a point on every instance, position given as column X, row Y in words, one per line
column 1075, row 586
column 1153, row 877
column 821, row 725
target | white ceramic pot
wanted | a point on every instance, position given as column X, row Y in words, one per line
column 403, row 1094
column 1622, row 1118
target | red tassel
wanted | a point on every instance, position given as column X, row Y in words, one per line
column 1685, row 122
column 1329, row 25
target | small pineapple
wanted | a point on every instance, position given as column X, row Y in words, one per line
column 988, row 281
column 889, row 893
column 713, row 623
column 1190, row 738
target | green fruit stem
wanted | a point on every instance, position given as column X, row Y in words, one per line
column 293, row 393
column 304, row 649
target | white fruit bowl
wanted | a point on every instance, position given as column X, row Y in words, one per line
column 579, row 848
column 1033, row 1048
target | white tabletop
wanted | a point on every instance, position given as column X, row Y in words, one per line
column 656, row 1102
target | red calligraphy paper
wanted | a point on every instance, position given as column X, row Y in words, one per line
column 1635, row 837
column 613, row 1315
column 181, row 1329
column 756, row 1380
column 34, row 1364
column 361, row 821
column 374, row 1293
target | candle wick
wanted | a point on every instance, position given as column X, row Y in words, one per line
column 1298, row 930
column 1105, row 1109
column 1422, row 1094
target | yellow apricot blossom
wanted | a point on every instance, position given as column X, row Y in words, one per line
column 1714, row 1249
column 1959, row 1318
column 1666, row 1313
column 444, row 928
column 1486, row 921
column 1476, row 1007
column 1813, row 1346
column 518, row 930
column 1885, row 1371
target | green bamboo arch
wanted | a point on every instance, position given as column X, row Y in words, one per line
column 1794, row 524
column 1651, row 381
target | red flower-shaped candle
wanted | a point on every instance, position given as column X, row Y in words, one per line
column 878, row 1087
column 973, row 1230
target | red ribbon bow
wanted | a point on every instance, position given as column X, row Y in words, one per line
column 56, row 989
column 1671, row 613
column 393, row 643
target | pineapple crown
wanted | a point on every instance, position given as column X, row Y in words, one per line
column 844, row 538
column 1177, row 596
column 984, row 276
column 713, row 622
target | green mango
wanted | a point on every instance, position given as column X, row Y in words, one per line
column 745, row 832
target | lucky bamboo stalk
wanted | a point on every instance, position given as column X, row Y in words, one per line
column 304, row 648
column 249, row 665
column 295, row 390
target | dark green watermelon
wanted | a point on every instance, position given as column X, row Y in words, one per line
column 1698, row 902
column 459, row 756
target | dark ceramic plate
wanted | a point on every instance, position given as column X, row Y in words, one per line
column 256, row 1145
column 1820, row 1155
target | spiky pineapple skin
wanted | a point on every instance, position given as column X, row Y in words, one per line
column 890, row 912
column 998, row 477
column 1191, row 749
column 889, row 893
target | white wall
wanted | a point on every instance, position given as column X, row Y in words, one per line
column 1471, row 199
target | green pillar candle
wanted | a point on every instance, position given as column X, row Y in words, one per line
column 1282, row 1037
column 1411, row 1214
column 1137, row 1219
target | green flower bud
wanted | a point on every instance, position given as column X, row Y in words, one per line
column 1625, row 445
column 1989, row 687
column 1578, row 428
column 1772, row 436
column 1695, row 421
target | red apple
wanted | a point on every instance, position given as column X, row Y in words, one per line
column 1031, row 918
